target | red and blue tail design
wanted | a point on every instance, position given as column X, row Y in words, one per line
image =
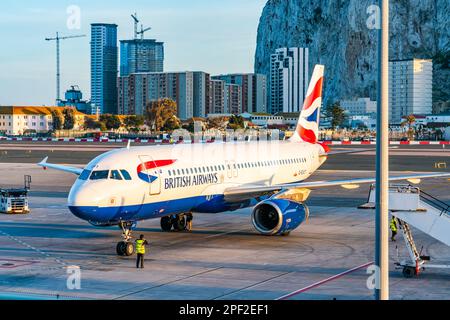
column 308, row 123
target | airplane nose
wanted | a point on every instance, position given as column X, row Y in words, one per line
column 84, row 203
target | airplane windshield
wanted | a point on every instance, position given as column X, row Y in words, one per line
column 99, row 175
column 85, row 175
column 125, row 174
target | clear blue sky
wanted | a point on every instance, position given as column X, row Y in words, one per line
column 216, row 36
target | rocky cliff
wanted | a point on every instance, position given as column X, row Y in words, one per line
column 337, row 34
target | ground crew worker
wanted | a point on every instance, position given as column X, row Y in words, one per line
column 140, row 251
column 189, row 222
column 394, row 229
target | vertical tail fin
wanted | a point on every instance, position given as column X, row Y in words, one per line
column 308, row 123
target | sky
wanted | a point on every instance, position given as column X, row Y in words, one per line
column 216, row 36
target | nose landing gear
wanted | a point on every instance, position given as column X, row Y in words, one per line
column 125, row 247
column 179, row 222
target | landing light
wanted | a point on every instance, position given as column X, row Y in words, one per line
column 350, row 186
column 414, row 181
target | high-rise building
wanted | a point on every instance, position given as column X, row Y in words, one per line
column 253, row 87
column 233, row 99
column 141, row 55
column 104, row 67
column 216, row 97
column 410, row 89
column 138, row 89
column 289, row 77
column 201, row 93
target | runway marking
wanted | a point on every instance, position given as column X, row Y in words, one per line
column 43, row 253
column 166, row 283
column 319, row 283
column 225, row 233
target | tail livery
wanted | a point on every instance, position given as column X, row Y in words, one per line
column 308, row 122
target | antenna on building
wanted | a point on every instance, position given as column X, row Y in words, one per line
column 58, row 74
column 136, row 22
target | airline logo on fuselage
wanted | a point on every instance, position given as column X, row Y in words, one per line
column 144, row 168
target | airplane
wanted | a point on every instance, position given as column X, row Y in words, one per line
column 171, row 182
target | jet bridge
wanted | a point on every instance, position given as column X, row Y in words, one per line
column 414, row 207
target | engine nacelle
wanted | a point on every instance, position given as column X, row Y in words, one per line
column 278, row 216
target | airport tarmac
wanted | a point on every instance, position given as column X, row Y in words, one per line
column 223, row 258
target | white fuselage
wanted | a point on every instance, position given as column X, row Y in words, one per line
column 155, row 181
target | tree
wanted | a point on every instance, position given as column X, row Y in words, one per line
column 172, row 124
column 57, row 119
column 236, row 122
column 132, row 123
column 111, row 121
column 336, row 113
column 409, row 121
column 69, row 118
column 159, row 112
column 217, row 123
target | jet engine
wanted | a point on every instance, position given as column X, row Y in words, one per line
column 278, row 216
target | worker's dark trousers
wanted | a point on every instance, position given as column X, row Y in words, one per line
column 394, row 234
column 140, row 259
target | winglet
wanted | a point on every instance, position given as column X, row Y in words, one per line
column 129, row 144
column 43, row 163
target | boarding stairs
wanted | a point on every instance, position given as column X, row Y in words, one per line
column 414, row 207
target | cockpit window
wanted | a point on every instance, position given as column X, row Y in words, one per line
column 85, row 174
column 99, row 175
column 125, row 174
column 115, row 175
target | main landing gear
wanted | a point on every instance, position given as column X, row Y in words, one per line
column 125, row 247
column 178, row 222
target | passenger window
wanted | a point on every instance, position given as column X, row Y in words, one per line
column 115, row 175
column 99, row 175
column 85, row 175
column 125, row 174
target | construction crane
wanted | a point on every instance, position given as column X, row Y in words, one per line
column 136, row 22
column 143, row 31
column 58, row 74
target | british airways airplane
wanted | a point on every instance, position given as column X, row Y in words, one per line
column 170, row 182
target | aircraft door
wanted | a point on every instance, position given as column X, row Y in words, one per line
column 232, row 169
column 152, row 174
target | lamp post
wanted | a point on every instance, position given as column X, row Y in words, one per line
column 382, row 174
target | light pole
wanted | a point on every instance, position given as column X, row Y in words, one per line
column 382, row 174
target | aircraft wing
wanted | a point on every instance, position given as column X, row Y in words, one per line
column 236, row 194
column 73, row 170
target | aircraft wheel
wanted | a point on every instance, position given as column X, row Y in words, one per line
column 179, row 223
column 129, row 249
column 285, row 234
column 408, row 272
column 166, row 224
column 120, row 248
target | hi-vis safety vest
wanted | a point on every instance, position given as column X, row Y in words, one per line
column 393, row 225
column 140, row 248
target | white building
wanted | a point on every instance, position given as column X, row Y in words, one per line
column 410, row 88
column 359, row 106
column 19, row 120
column 289, row 77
